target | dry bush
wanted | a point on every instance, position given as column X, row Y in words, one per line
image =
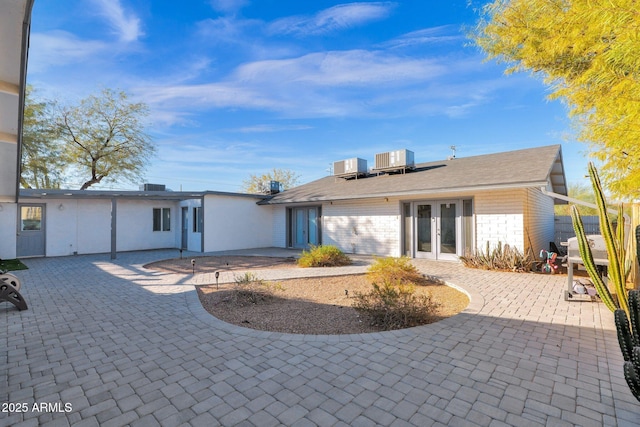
column 394, row 270
column 395, row 306
column 323, row 256
column 249, row 289
column 393, row 302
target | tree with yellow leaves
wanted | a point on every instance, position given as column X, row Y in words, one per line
column 588, row 52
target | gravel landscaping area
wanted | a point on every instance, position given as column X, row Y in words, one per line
column 316, row 306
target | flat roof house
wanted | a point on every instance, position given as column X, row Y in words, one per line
column 69, row 222
column 437, row 210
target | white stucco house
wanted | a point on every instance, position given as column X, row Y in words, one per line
column 71, row 222
column 437, row 210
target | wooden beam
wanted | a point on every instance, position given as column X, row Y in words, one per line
column 8, row 137
column 10, row 88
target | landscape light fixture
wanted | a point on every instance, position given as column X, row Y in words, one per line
column 193, row 266
column 217, row 275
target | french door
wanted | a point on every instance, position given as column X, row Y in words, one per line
column 436, row 229
column 305, row 227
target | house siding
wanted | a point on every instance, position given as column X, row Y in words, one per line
column 363, row 227
column 236, row 223
column 8, row 224
column 84, row 226
column 279, row 226
column 135, row 226
column 539, row 220
column 500, row 218
column 77, row 227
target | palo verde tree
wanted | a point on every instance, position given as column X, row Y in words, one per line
column 42, row 165
column 104, row 138
column 587, row 51
column 582, row 192
column 259, row 184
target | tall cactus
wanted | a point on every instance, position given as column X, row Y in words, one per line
column 615, row 248
column 626, row 307
column 629, row 340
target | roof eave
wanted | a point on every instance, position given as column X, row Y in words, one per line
column 466, row 189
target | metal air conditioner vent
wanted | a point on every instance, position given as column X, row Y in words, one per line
column 153, row 187
column 395, row 160
column 350, row 167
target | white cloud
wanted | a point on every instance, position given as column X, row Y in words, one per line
column 59, row 48
column 341, row 68
column 125, row 25
column 228, row 6
column 441, row 34
column 221, row 95
column 271, row 128
column 333, row 19
column 332, row 84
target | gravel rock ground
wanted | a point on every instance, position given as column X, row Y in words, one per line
column 314, row 306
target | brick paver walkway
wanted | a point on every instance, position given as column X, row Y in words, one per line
column 108, row 343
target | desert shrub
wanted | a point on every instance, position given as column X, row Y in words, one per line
column 395, row 306
column 394, row 270
column 323, row 256
column 249, row 289
column 502, row 257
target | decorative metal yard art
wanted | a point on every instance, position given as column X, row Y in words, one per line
column 10, row 290
column 626, row 308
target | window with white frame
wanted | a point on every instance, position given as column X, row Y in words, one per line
column 197, row 219
column 161, row 219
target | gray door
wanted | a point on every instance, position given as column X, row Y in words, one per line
column 185, row 227
column 31, row 230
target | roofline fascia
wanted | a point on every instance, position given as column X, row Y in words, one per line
column 248, row 195
column 24, row 55
column 96, row 194
column 412, row 193
column 86, row 195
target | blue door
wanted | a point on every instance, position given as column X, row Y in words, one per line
column 305, row 227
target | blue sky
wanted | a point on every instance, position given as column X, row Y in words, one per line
column 239, row 86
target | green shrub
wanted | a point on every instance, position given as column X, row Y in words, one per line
column 394, row 270
column 323, row 256
column 395, row 306
column 249, row 289
column 502, row 257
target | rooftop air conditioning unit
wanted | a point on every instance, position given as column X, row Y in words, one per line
column 274, row 187
column 398, row 159
column 153, row 187
column 350, row 167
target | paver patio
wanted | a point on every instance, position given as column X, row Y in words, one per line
column 121, row 345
